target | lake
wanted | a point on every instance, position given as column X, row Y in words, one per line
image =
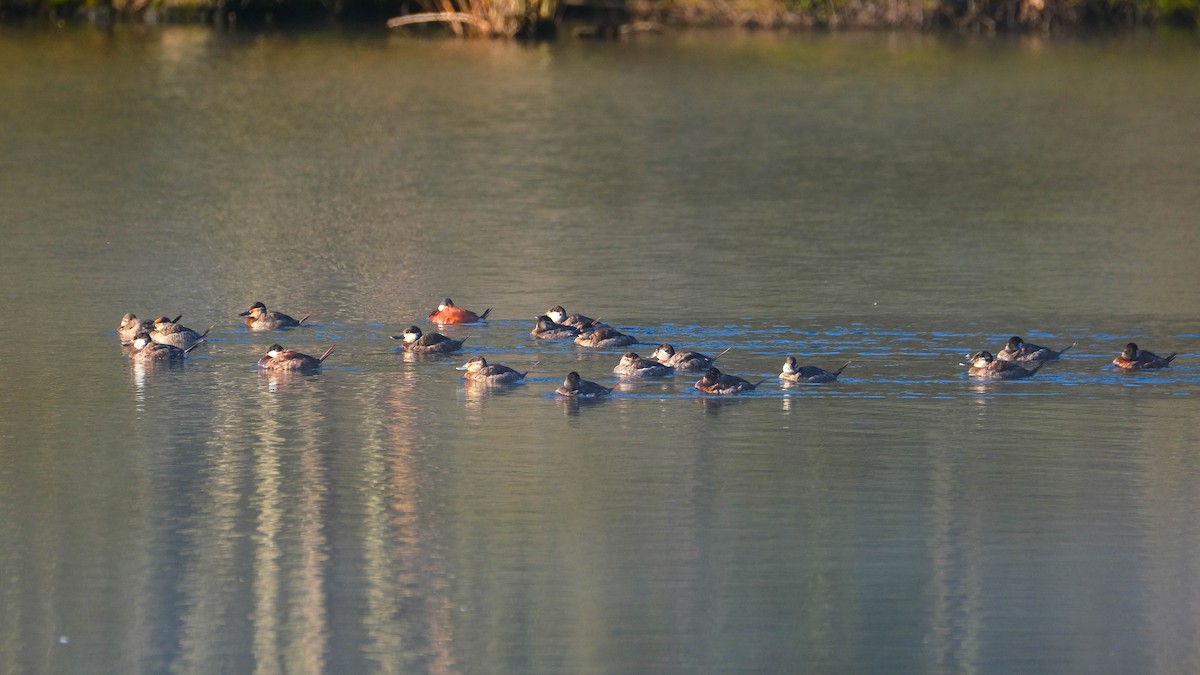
column 892, row 200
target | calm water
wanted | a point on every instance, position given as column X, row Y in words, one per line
column 894, row 201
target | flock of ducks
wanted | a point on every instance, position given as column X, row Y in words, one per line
column 166, row 340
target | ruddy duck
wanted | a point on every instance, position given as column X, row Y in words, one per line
column 258, row 318
column 278, row 358
column 811, row 374
column 985, row 367
column 605, row 337
column 1018, row 350
column 633, row 365
column 131, row 327
column 578, row 321
column 1137, row 359
column 168, row 332
column 546, row 329
column 716, row 382
column 146, row 350
column 578, row 387
column 684, row 361
column 478, row 370
column 448, row 313
column 432, row 343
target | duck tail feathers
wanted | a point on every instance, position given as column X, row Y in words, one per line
column 485, row 313
column 327, row 353
column 839, row 370
column 304, row 318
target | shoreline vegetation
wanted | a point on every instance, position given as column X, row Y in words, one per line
column 544, row 19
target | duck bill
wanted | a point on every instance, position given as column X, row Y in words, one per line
column 245, row 313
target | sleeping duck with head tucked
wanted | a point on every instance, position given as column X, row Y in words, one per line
column 448, row 313
column 427, row 343
column 983, row 366
column 1132, row 358
column 1020, row 351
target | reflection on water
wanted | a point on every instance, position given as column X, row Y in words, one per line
column 384, row 515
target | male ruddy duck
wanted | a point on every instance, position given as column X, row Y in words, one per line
column 1138, row 359
column 602, row 338
column 168, row 332
column 1017, row 349
column 478, row 370
column 145, row 350
column 280, row 359
column 578, row 387
column 546, row 329
column 633, row 365
column 431, row 343
column 684, row 361
column 985, row 367
column 811, row 374
column 716, row 382
column 448, row 313
column 131, row 327
column 578, row 321
column 258, row 318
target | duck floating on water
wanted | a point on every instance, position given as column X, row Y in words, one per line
column 603, row 338
column 279, row 359
column 632, row 365
column 168, row 332
column 684, row 361
column 1133, row 358
column 546, row 329
column 1019, row 351
column 983, row 366
column 577, row 321
column 793, row 372
column 427, row 343
column 577, row 387
column 478, row 370
column 716, row 382
column 145, row 350
column 258, row 318
column 448, row 313
column 131, row 326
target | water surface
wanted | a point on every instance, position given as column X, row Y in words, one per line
column 895, row 201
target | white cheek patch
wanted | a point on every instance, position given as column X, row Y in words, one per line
column 273, row 353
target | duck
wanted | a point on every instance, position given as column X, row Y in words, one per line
column 577, row 387
column 1133, row 358
column 984, row 366
column 258, row 318
column 578, row 321
column 632, row 365
column 810, row 374
column 168, row 332
column 1017, row 349
column 280, row 359
column 684, row 361
column 547, row 329
column 431, row 343
column 145, row 350
column 448, row 313
column 479, row 370
column 601, row 338
column 131, row 327
column 716, row 382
